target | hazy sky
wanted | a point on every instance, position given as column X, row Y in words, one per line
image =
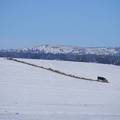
column 26, row 23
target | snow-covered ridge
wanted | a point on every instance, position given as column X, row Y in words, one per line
column 72, row 49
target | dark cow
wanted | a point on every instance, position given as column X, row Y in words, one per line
column 102, row 79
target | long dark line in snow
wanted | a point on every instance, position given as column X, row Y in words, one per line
column 55, row 71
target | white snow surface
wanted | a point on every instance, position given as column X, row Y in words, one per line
column 30, row 93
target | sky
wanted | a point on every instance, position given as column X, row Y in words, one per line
column 85, row 23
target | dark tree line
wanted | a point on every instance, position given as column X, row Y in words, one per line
column 106, row 59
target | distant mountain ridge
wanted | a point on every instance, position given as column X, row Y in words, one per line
column 109, row 55
column 62, row 49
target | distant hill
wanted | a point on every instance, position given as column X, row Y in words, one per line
column 107, row 55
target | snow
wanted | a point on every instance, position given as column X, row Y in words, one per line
column 55, row 49
column 62, row 49
column 29, row 93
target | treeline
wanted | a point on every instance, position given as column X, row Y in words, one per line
column 106, row 59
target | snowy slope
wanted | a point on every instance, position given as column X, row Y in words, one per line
column 83, row 69
column 55, row 49
column 29, row 93
column 107, row 55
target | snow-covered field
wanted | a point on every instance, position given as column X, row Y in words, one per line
column 30, row 93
